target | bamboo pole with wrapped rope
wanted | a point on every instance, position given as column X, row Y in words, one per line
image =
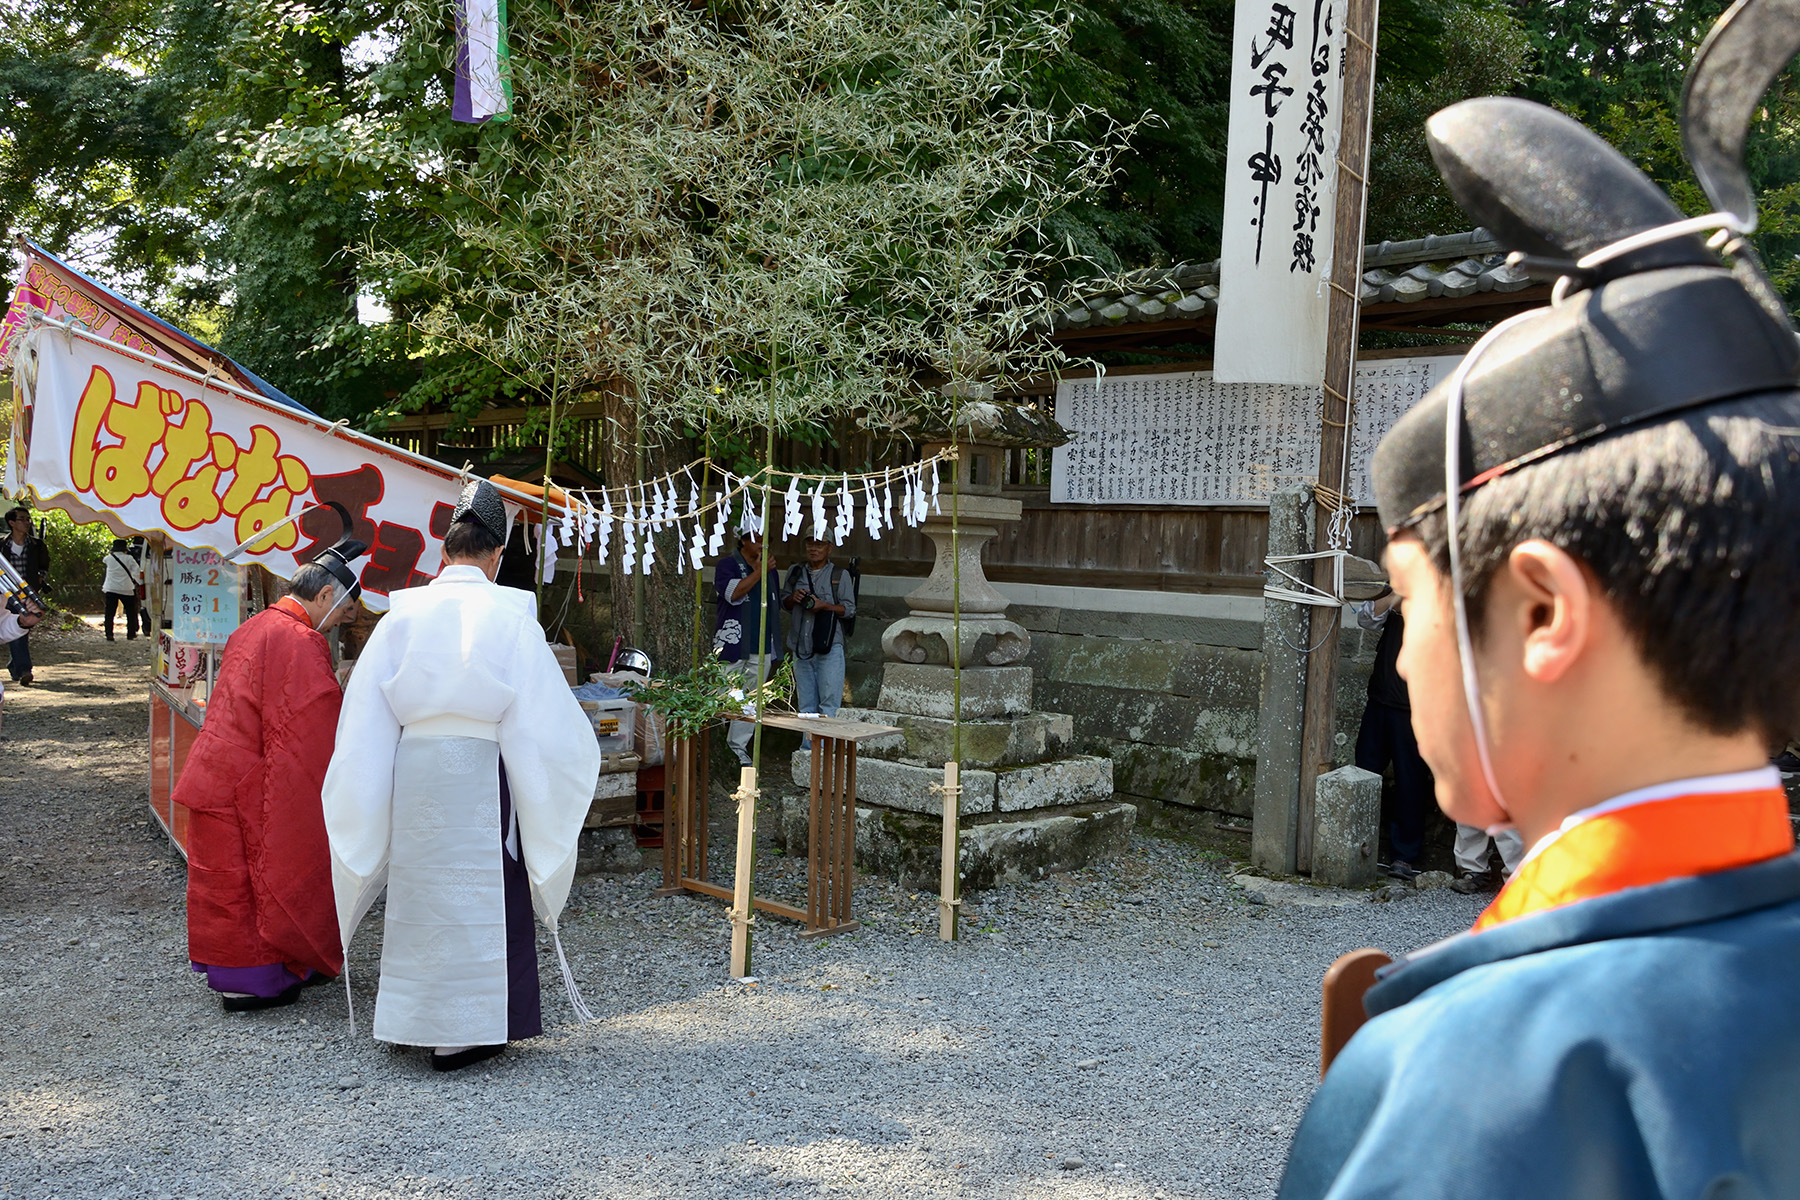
column 743, row 899
column 949, row 877
column 743, row 890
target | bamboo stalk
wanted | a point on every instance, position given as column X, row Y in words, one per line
column 950, row 900
column 845, row 804
column 817, row 824
column 742, row 916
column 700, row 572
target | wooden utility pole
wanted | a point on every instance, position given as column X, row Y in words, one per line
column 1343, row 322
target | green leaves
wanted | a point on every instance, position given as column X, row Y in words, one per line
column 711, row 692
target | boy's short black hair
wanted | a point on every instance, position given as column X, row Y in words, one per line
column 309, row 580
column 1690, row 525
column 469, row 539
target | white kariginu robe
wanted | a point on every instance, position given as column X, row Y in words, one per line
column 455, row 682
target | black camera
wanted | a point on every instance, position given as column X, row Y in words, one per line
column 806, row 600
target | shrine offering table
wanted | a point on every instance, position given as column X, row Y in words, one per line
column 831, row 844
column 174, row 724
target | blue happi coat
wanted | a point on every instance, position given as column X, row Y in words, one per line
column 1639, row 1044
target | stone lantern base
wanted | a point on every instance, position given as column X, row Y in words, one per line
column 1029, row 805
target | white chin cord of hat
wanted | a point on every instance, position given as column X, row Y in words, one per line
column 1728, row 226
column 1465, row 647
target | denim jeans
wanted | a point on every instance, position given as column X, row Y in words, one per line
column 742, row 731
column 819, row 680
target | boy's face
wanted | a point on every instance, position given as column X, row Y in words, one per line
column 1432, row 668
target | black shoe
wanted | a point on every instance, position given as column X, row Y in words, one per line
column 1476, row 882
column 111, row 638
column 255, row 1003
column 1399, row 869
column 318, row 979
column 465, row 1058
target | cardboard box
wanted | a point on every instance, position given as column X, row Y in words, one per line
column 180, row 663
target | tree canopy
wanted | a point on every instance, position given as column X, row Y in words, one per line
column 254, row 167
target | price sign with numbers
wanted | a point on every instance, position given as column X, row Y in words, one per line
column 206, row 597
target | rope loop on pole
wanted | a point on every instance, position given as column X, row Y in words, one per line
column 1303, row 591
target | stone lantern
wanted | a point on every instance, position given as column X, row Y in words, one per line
column 983, row 642
column 1029, row 806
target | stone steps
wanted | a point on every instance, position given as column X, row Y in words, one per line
column 907, row 787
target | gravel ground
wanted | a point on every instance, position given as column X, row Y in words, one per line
column 1139, row 1030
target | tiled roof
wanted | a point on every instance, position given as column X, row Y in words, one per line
column 1453, row 265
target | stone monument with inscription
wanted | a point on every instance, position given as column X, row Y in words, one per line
column 1029, row 806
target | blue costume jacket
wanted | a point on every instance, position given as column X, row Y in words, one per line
column 1640, row 1044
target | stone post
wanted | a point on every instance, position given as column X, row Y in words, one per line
column 1275, row 813
column 1346, row 827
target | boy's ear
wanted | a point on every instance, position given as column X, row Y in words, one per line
column 1553, row 600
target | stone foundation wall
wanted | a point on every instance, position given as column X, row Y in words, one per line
column 1170, row 696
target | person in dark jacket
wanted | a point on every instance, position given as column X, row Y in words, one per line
column 1386, row 737
column 31, row 559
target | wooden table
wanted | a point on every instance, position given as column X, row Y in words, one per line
column 831, row 844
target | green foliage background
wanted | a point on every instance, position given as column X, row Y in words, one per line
column 139, row 138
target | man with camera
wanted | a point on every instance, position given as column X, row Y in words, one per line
column 822, row 596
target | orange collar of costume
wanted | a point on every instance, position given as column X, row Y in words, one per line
column 293, row 608
column 1639, row 844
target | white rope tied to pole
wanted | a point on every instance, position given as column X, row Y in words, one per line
column 1303, row 591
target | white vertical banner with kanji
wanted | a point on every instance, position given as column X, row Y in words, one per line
column 1280, row 191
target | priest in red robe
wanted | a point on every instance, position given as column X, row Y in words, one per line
column 261, row 918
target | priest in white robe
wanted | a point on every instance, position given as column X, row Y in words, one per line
column 463, row 771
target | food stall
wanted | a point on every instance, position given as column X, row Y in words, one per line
column 122, row 419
